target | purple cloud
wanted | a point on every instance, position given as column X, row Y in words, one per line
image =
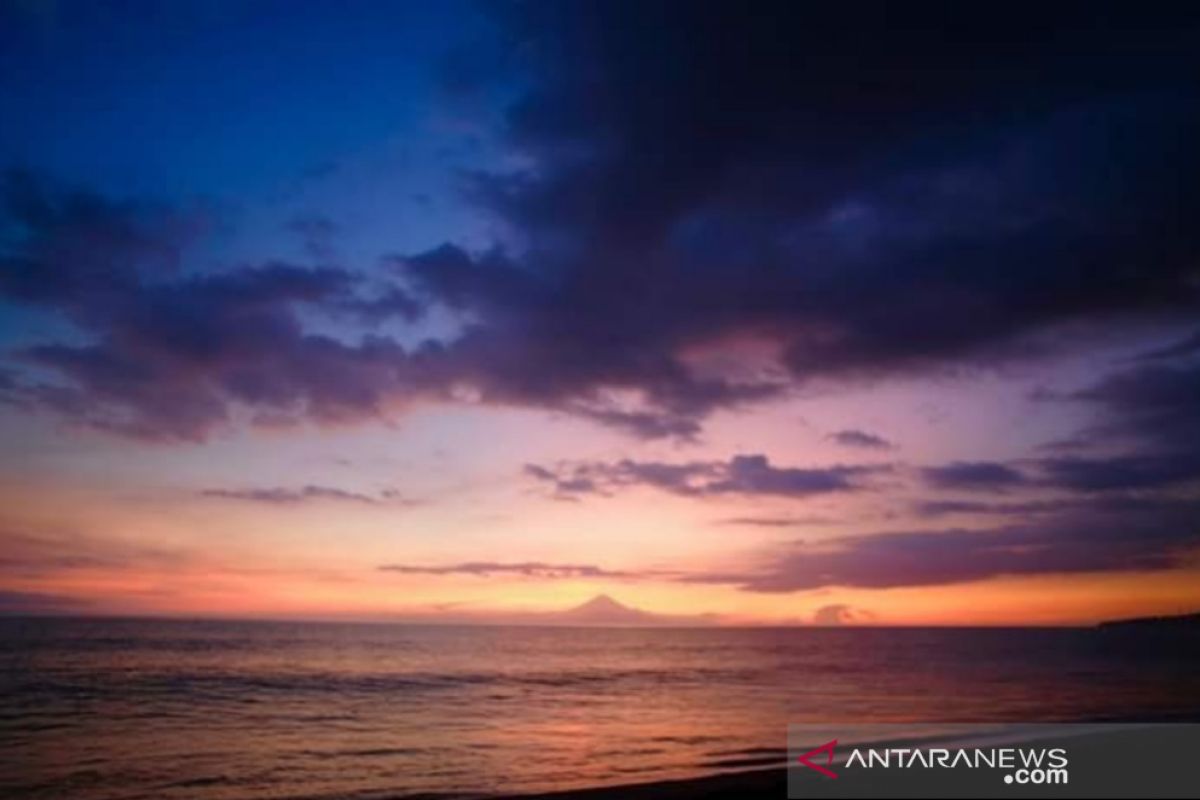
column 861, row 439
column 1146, row 418
column 523, row 569
column 1123, row 472
column 283, row 496
column 1104, row 538
column 974, row 476
column 921, row 207
column 742, row 474
column 775, row 522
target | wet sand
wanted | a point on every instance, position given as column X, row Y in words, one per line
column 749, row 785
column 1092, row 749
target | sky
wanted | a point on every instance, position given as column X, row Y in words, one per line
column 468, row 311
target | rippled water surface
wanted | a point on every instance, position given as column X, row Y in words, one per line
column 146, row 709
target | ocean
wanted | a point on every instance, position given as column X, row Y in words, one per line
column 105, row 709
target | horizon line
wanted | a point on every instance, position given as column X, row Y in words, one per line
column 428, row 623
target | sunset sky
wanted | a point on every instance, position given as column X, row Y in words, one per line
column 472, row 311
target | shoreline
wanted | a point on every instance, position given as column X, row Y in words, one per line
column 763, row 781
column 770, row 782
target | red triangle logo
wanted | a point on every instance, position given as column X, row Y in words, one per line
column 827, row 749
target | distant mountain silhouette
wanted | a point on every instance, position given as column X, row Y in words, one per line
column 1189, row 623
column 603, row 610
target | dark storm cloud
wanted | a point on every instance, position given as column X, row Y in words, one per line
column 1151, row 536
column 895, row 190
column 863, row 439
column 537, row 344
column 742, row 474
column 974, row 476
column 285, row 496
column 874, row 192
column 62, row 246
column 172, row 355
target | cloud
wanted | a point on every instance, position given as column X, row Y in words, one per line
column 939, row 508
column 934, row 202
column 775, row 522
column 976, row 206
column 742, row 474
column 1152, row 405
column 1147, row 418
column 523, row 569
column 531, row 344
column 285, row 496
column 839, row 614
column 1138, row 470
column 1109, row 537
column 974, row 476
column 1123, row 472
column 1178, row 349
column 565, row 485
column 1147, row 536
column 15, row 602
column 173, row 354
column 862, row 439
column 38, row 553
column 1111, row 502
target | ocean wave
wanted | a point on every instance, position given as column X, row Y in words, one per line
column 251, row 687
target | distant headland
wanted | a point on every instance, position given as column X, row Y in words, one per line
column 1178, row 622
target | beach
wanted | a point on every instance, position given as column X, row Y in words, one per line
column 748, row 785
